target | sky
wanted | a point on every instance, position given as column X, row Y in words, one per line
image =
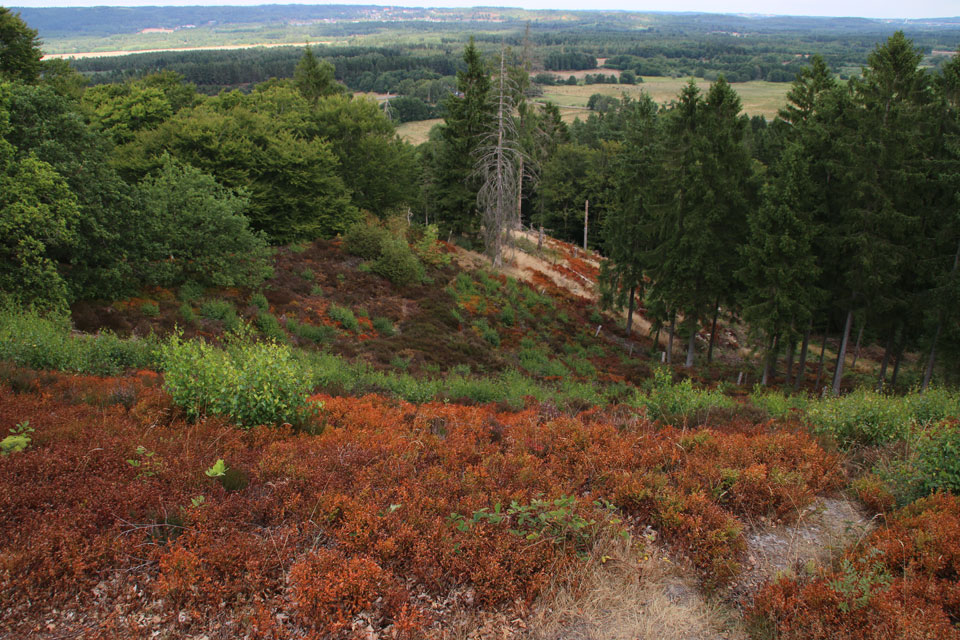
column 858, row 8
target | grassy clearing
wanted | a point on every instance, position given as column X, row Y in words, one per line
column 418, row 131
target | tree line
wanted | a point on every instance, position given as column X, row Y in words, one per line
column 839, row 216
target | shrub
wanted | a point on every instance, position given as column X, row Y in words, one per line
column 45, row 342
column 260, row 301
column 222, row 311
column 269, row 326
column 253, row 383
column 187, row 314
column 428, row 249
column 344, row 316
column 681, row 402
column 487, row 332
column 383, row 326
column 191, row 291
column 316, row 290
column 365, row 240
column 318, row 334
column 938, row 458
column 398, row 264
column 150, row 309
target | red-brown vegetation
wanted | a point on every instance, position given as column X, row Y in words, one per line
column 109, row 513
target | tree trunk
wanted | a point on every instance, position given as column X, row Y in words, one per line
column 897, row 358
column 791, row 348
column 802, row 365
column 691, row 343
column 713, row 331
column 520, row 195
column 928, row 374
column 838, row 372
column 769, row 362
column 856, row 350
column 633, row 290
column 586, row 215
column 886, row 360
column 673, row 323
column 823, row 352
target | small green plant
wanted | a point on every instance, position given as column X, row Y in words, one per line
column 344, row 316
column 400, row 363
column 365, row 267
column 383, row 326
column 218, row 469
column 508, row 316
column 487, row 332
column 308, row 274
column 18, row 440
column 429, row 250
column 198, row 501
column 365, row 240
column 144, row 462
column 316, row 290
column 857, row 586
column 260, row 301
column 150, row 309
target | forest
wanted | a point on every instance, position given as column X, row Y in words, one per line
column 269, row 370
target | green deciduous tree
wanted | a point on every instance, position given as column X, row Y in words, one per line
column 19, row 49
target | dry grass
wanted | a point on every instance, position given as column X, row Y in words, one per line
column 418, row 131
column 625, row 593
column 758, row 97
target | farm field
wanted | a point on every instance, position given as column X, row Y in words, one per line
column 759, row 98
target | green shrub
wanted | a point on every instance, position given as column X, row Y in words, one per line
column 191, row 291
column 45, row 342
column 536, row 361
column 428, row 249
column 400, row 363
column 316, row 290
column 223, row 311
column 269, row 326
column 398, row 264
column 869, row 418
column 508, row 316
column 260, row 302
column 383, row 326
column 317, row 334
column 187, row 314
column 778, row 404
column 344, row 316
column 365, row 240
column 308, row 274
column 150, row 309
column 252, row 383
column 487, row 332
column 680, row 402
column 938, row 458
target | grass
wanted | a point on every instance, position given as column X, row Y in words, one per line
column 418, row 131
column 758, row 97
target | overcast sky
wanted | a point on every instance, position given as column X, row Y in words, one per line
column 860, row 8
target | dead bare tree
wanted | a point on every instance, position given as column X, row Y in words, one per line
column 498, row 158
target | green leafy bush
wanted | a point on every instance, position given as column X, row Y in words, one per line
column 187, row 314
column 383, row 326
column 252, row 383
column 260, row 302
column 680, row 402
column 365, row 240
column 150, row 309
column 428, row 249
column 45, row 342
column 269, row 326
column 223, row 311
column 317, row 334
column 869, row 418
column 344, row 316
column 938, row 458
column 398, row 264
